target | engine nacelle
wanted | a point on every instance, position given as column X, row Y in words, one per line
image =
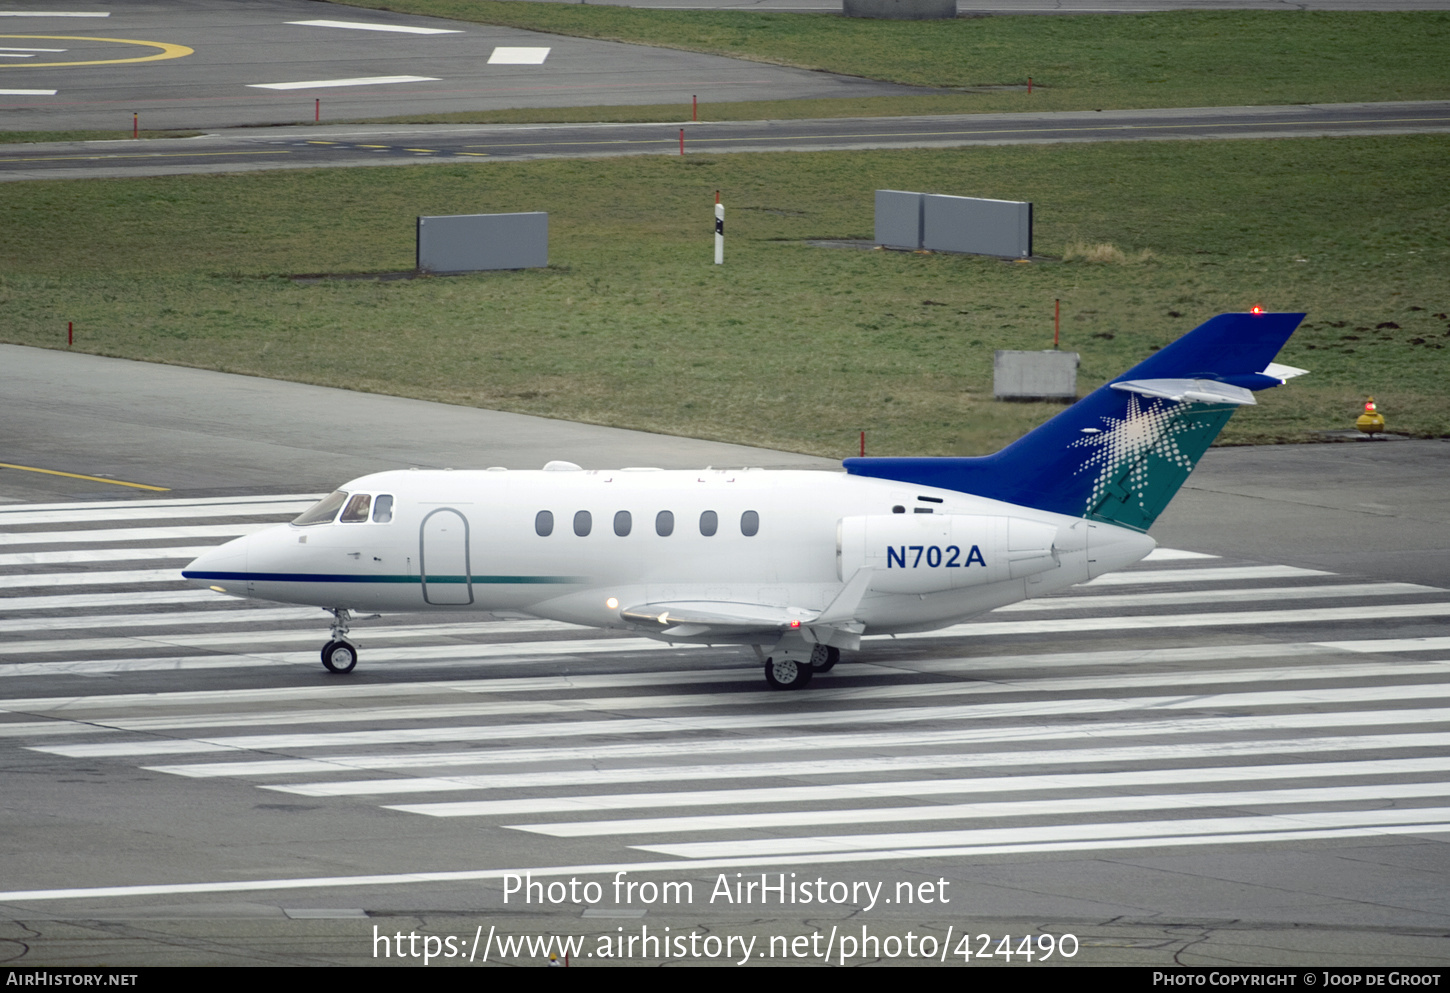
column 932, row 553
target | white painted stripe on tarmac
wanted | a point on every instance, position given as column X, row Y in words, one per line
column 805, row 793
column 89, row 505
column 367, row 26
column 870, row 741
column 839, row 742
column 1221, row 574
column 54, row 13
column 195, row 618
column 146, row 510
column 587, row 705
column 108, row 535
column 90, row 601
column 1072, row 806
column 1174, row 555
column 1256, row 618
column 1432, row 819
column 12, row 49
column 1389, row 645
column 860, row 764
column 63, row 557
column 35, row 580
column 676, row 724
column 791, row 860
column 1271, row 594
column 328, row 83
column 27, row 93
column 518, row 56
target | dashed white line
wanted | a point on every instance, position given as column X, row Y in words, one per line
column 27, row 93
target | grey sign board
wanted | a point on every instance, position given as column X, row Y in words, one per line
column 898, row 219
column 474, row 242
column 1035, row 376
column 977, row 226
column 941, row 223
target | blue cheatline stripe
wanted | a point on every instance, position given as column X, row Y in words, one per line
column 314, row 577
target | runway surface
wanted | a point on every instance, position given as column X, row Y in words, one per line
column 1217, row 757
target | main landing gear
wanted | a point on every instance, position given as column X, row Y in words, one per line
column 339, row 655
column 787, row 673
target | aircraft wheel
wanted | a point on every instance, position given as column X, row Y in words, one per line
column 339, row 656
column 824, row 658
column 787, row 674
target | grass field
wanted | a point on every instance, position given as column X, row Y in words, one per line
column 1083, row 62
column 787, row 345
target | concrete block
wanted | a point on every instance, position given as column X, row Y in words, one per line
column 1047, row 375
column 976, row 226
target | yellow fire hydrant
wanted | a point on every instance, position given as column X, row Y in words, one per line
column 1371, row 422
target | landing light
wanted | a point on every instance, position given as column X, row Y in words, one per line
column 219, row 589
column 612, row 603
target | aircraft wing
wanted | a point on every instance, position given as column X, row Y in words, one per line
column 698, row 619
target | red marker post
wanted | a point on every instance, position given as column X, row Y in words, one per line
column 135, row 125
column 70, row 333
column 1056, row 321
column 317, row 110
column 682, row 141
column 694, row 108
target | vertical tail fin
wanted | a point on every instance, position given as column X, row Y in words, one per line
column 1122, row 452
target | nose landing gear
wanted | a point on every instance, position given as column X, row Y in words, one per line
column 339, row 655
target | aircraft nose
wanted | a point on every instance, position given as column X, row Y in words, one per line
column 222, row 565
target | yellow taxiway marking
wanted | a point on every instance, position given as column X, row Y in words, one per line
column 168, row 51
column 420, row 149
column 136, row 155
column 89, row 479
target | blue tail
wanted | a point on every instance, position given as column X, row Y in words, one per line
column 1121, row 453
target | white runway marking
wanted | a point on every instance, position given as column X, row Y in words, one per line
column 101, row 536
column 7, row 49
column 240, row 502
column 366, row 26
column 54, row 13
column 27, row 93
column 1432, row 820
column 981, row 811
column 317, row 84
column 102, row 555
column 146, row 511
column 1223, row 574
column 518, row 56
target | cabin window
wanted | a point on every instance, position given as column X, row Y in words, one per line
column 324, row 510
column 664, row 523
column 749, row 523
column 383, row 509
column 357, row 509
column 583, row 523
column 622, row 523
column 544, row 523
column 898, row 509
column 709, row 523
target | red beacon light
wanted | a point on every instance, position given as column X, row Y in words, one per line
column 1256, row 309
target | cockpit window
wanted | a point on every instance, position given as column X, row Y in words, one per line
column 358, row 509
column 324, row 510
column 383, row 509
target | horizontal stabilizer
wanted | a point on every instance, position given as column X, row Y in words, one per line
column 1188, row 390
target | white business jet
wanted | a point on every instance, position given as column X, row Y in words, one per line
column 798, row 565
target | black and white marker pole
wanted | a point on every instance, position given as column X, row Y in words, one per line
column 719, row 230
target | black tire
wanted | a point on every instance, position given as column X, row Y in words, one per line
column 824, row 658
column 339, row 656
column 787, row 674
